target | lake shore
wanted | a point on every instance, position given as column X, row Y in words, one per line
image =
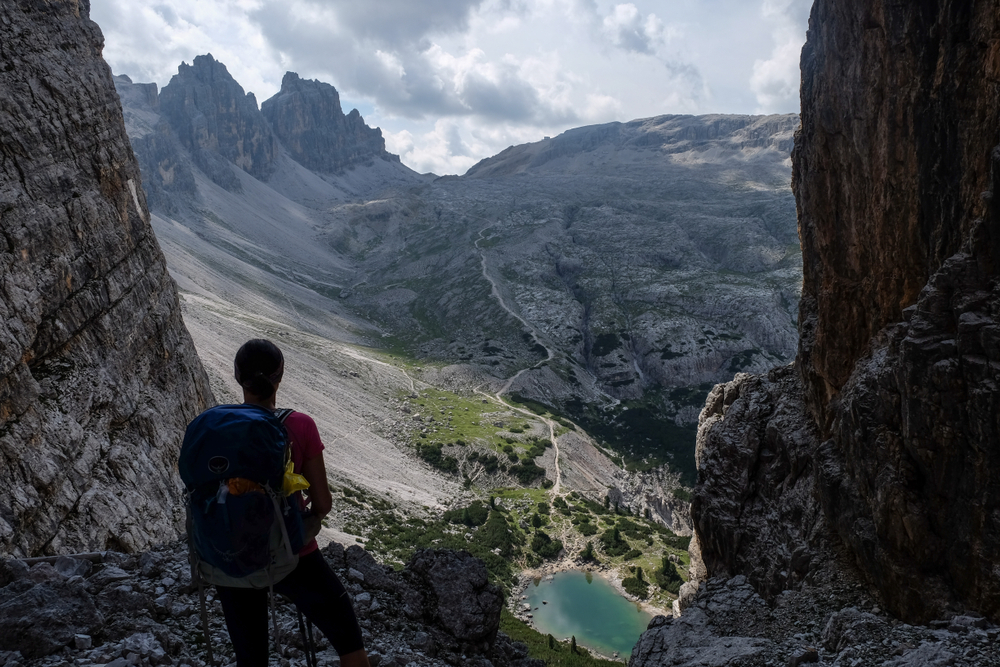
column 565, row 564
column 549, row 569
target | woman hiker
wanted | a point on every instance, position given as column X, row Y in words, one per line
column 312, row 585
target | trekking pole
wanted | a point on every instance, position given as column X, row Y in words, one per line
column 305, row 628
column 312, row 643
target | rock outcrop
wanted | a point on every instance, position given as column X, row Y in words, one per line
column 218, row 122
column 307, row 118
column 439, row 610
column 885, row 446
column 98, row 375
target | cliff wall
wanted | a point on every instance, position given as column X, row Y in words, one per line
column 885, row 438
column 306, row 116
column 218, row 122
column 98, row 375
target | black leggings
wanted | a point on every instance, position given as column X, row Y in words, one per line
column 314, row 589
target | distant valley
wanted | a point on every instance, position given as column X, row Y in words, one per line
column 609, row 276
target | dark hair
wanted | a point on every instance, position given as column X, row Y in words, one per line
column 259, row 366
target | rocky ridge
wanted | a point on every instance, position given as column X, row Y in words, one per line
column 142, row 609
column 218, row 122
column 98, row 375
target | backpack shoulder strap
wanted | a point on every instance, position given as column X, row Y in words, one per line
column 282, row 414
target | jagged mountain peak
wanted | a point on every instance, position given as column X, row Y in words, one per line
column 308, row 119
column 215, row 118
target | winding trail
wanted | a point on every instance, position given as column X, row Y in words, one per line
column 550, row 355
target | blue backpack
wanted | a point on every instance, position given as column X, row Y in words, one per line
column 243, row 531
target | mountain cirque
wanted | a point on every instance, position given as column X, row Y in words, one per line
column 612, row 263
column 98, row 376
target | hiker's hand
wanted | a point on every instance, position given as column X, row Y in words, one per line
column 312, row 526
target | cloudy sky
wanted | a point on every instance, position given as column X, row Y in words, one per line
column 453, row 81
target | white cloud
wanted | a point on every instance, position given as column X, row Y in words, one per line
column 628, row 29
column 775, row 80
column 454, row 81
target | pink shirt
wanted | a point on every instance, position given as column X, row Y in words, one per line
column 306, row 445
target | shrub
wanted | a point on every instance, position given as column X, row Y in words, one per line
column 632, row 553
column 587, row 529
column 543, row 508
column 545, row 546
column 667, row 577
column 637, row 587
column 526, row 473
column 473, row 515
column 613, row 544
column 682, row 494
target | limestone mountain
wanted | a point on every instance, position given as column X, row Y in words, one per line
column 307, row 118
column 217, row 121
column 98, row 375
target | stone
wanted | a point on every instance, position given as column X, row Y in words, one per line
column 82, row 642
column 803, row 657
column 42, row 619
column 71, row 567
column 98, row 375
column 452, row 590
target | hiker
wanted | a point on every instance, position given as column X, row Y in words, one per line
column 312, row 585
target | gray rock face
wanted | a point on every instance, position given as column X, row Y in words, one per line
column 98, row 375
column 307, row 118
column 755, row 508
column 218, row 122
column 899, row 341
column 451, row 589
column 38, row 619
column 911, row 477
column 829, row 621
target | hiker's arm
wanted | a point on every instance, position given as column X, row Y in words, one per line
column 320, row 500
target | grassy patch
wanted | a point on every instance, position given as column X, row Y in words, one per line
column 554, row 653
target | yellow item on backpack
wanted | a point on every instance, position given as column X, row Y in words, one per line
column 293, row 481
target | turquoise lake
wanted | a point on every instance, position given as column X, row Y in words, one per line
column 586, row 606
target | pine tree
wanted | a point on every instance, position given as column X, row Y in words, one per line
column 552, row 642
column 638, row 573
column 572, row 644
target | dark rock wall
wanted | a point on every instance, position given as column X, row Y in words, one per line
column 218, row 122
column 899, row 116
column 899, row 351
column 756, row 511
column 98, row 375
column 307, row 117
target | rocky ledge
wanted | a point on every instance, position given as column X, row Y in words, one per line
column 142, row 609
column 831, row 622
